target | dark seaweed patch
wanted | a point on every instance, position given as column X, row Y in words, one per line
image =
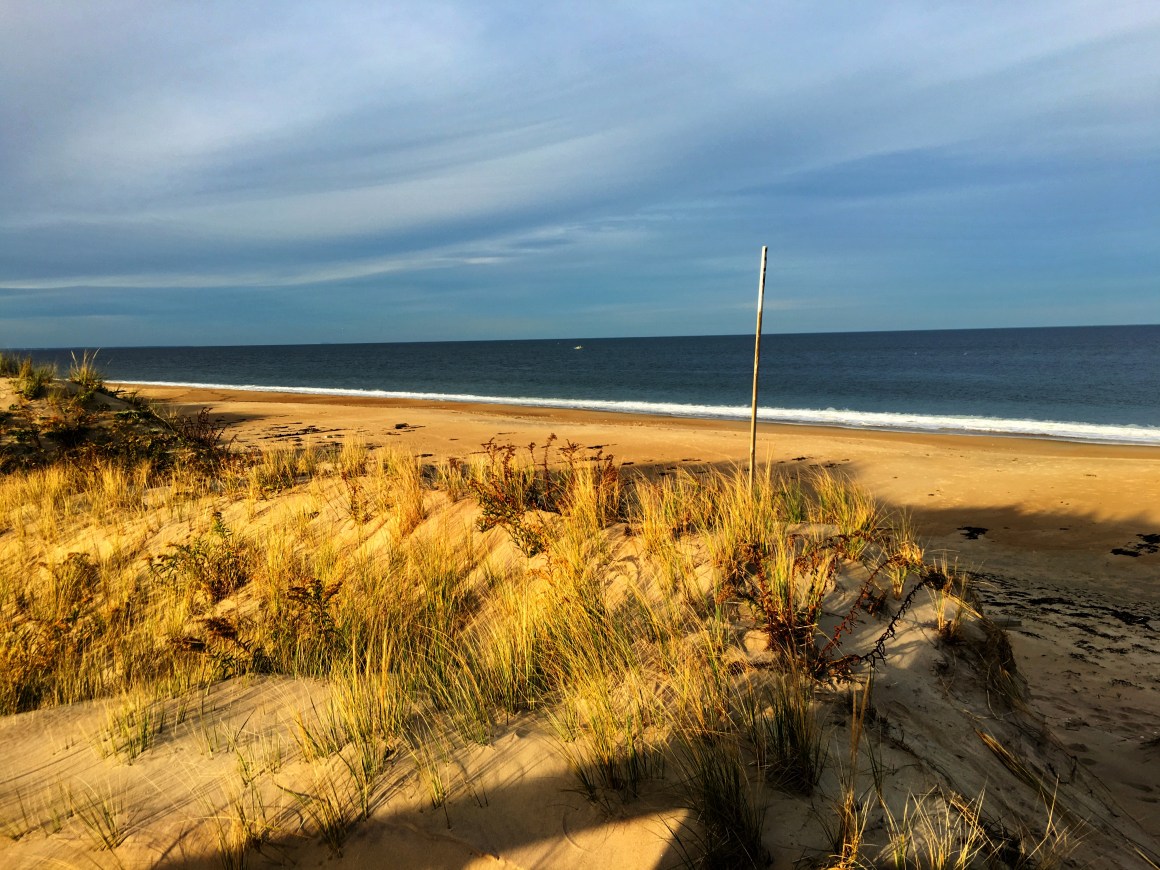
column 1148, row 544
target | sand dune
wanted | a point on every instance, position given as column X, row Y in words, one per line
column 1055, row 536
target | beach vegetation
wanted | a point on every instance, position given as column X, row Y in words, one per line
column 243, row 821
column 132, row 727
column 937, row 832
column 79, row 423
column 519, row 491
column 207, row 569
column 730, row 817
column 103, row 814
column 712, row 661
column 275, row 471
column 33, row 380
column 780, row 721
column 84, row 372
column 9, row 365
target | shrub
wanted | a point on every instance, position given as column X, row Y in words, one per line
column 212, row 566
column 31, row 380
column 509, row 487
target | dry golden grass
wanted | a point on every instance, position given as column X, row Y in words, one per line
column 137, row 585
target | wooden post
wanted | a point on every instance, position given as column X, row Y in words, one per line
column 756, row 365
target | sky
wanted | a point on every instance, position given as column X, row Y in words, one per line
column 296, row 172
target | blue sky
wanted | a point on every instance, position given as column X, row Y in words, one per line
column 282, row 172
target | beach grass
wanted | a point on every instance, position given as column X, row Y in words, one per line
column 684, row 635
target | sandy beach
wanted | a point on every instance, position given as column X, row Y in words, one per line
column 377, row 487
column 1062, row 537
column 1019, row 710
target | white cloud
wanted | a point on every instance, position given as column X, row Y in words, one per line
column 292, row 144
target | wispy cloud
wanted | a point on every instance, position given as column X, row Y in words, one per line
column 632, row 153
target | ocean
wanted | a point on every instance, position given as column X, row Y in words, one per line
column 1099, row 384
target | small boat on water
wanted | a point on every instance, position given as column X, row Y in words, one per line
column 578, row 347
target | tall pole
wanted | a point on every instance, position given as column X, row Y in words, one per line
column 756, row 364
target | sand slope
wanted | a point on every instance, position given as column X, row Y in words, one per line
column 1064, row 547
column 1061, row 724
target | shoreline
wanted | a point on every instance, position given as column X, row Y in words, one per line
column 1144, row 437
column 942, row 478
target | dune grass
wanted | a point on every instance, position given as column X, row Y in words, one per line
column 33, row 380
column 136, row 578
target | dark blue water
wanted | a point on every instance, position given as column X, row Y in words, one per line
column 1084, row 383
